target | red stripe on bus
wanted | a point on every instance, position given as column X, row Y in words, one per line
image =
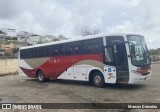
column 55, row 66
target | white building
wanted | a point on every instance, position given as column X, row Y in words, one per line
column 34, row 39
column 10, row 32
column 28, row 37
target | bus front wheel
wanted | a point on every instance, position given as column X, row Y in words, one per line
column 98, row 79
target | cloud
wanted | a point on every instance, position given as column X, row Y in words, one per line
column 145, row 21
column 72, row 16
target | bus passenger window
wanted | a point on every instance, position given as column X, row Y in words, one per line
column 73, row 48
column 57, row 50
column 44, row 51
column 108, row 54
column 24, row 54
column 35, row 52
column 30, row 53
column 92, row 46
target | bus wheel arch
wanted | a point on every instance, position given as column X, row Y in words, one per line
column 37, row 72
column 96, row 74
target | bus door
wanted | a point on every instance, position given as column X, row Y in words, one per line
column 110, row 69
column 116, row 55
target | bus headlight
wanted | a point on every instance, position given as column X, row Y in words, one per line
column 142, row 71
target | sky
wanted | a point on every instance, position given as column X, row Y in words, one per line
column 71, row 17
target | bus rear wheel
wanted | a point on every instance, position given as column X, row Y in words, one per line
column 98, row 79
column 41, row 77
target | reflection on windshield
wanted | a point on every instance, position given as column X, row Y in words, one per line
column 138, row 50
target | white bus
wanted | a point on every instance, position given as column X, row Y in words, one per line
column 99, row 59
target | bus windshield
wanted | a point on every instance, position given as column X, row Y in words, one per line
column 138, row 50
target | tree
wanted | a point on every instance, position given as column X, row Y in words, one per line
column 15, row 50
column 153, row 51
column 14, row 38
column 2, row 32
column 90, row 31
column 62, row 37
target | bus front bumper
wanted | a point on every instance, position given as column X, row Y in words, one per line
column 135, row 78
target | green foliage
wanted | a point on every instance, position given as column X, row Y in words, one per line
column 14, row 38
column 1, row 50
column 153, row 51
column 6, row 54
column 2, row 32
column 8, row 38
column 90, row 31
column 15, row 50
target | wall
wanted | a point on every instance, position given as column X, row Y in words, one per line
column 7, row 45
column 34, row 40
column 8, row 66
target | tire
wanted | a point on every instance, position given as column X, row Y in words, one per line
column 40, row 77
column 98, row 79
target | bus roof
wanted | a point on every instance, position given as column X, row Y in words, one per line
column 72, row 40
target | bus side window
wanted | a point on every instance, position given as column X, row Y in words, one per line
column 97, row 45
column 23, row 54
column 85, row 47
column 68, row 49
column 35, row 52
column 61, row 49
column 44, row 51
column 73, row 48
column 88, row 46
column 53, row 50
column 108, row 54
column 40, row 52
column 77, row 49
column 92, row 46
column 57, row 50
column 30, row 53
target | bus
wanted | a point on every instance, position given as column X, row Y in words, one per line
column 99, row 59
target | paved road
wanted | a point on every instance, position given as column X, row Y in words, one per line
column 21, row 90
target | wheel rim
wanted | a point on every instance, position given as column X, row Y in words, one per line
column 97, row 79
column 40, row 76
